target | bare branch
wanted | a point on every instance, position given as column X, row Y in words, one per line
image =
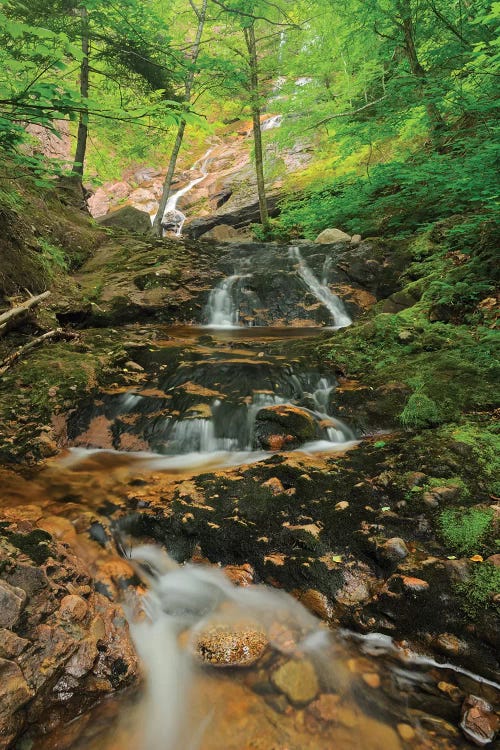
column 347, row 114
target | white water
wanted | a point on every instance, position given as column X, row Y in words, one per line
column 321, row 291
column 190, row 600
column 171, row 212
column 222, row 310
column 273, row 122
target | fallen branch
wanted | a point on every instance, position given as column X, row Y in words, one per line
column 11, row 315
column 56, row 333
column 347, row 114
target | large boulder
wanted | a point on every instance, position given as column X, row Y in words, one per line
column 128, row 218
column 221, row 233
column 328, row 236
column 283, row 427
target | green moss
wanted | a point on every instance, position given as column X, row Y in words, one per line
column 478, row 589
column 35, row 544
column 464, row 531
column 420, row 411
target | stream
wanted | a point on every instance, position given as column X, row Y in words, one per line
column 239, row 667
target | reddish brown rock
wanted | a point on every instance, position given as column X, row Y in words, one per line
column 479, row 722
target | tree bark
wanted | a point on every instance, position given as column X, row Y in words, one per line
column 81, row 142
column 436, row 121
column 188, row 87
column 256, row 114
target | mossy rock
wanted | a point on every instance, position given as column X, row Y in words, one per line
column 128, row 218
column 283, row 427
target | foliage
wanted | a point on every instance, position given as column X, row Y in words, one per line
column 420, row 411
column 464, row 531
column 478, row 589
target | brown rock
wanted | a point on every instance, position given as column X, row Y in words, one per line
column 297, row 680
column 240, row 575
column 12, row 601
column 14, row 690
column 479, row 722
column 414, row 584
column 325, row 708
column 406, row 732
column 315, row 602
column 393, row 550
column 275, row 486
column 73, row 608
column 235, row 645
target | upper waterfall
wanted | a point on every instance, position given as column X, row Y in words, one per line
column 172, row 217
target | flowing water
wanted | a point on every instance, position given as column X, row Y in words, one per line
column 193, row 408
column 172, row 217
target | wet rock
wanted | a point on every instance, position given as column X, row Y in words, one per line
column 325, row 707
column 130, row 365
column 393, row 550
column 479, row 722
column 12, row 601
column 406, row 732
column 332, row 235
column 129, row 219
column 315, row 602
column 239, row 217
column 283, row 427
column 355, row 239
column 231, row 645
column 77, row 641
column 240, row 575
column 297, row 680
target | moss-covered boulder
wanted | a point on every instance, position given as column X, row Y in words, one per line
column 128, row 218
column 283, row 427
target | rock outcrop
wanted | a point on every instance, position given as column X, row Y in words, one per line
column 62, row 644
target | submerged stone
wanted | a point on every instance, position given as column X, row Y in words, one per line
column 238, row 645
column 297, row 680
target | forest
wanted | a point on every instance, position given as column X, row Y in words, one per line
column 249, row 361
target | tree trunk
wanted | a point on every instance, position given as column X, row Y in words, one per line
column 81, row 142
column 188, row 86
column 436, row 121
column 257, row 133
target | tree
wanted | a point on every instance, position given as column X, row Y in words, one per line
column 201, row 13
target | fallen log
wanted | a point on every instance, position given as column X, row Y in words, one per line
column 16, row 314
column 56, row 333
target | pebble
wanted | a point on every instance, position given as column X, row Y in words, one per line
column 343, row 505
column 231, row 645
column 372, row 679
column 297, row 680
column 406, row 732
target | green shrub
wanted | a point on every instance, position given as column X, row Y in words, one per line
column 464, row 531
column 420, row 411
column 478, row 589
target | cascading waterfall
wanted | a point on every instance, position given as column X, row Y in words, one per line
column 222, row 310
column 174, row 218
column 321, row 291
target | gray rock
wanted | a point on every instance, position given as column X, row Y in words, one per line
column 332, row 235
column 12, row 600
column 129, row 219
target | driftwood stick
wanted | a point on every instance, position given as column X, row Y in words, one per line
column 56, row 333
column 9, row 316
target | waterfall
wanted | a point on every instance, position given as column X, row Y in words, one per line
column 273, row 122
column 321, row 291
column 222, row 310
column 174, row 218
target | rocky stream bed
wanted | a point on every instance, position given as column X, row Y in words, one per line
column 241, row 449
